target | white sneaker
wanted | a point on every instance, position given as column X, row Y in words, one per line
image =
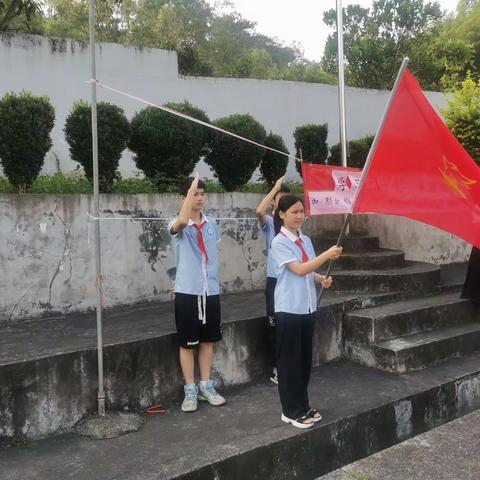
column 274, row 377
column 190, row 403
column 208, row 394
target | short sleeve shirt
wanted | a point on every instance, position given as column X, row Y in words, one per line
column 195, row 275
column 293, row 293
column 268, row 230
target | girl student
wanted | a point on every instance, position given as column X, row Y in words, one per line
column 268, row 229
column 295, row 309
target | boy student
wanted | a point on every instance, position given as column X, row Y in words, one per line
column 295, row 310
column 268, row 229
column 197, row 300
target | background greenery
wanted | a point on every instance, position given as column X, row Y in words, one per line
column 217, row 41
column 59, row 183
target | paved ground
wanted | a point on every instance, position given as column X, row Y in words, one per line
column 449, row 452
column 176, row 443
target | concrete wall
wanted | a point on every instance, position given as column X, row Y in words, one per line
column 61, row 68
column 417, row 240
column 47, row 250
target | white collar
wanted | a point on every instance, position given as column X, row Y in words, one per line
column 204, row 219
column 293, row 238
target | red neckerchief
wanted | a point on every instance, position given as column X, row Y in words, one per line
column 201, row 243
column 299, row 243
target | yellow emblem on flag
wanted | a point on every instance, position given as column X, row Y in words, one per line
column 454, row 179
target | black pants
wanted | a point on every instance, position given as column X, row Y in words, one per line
column 294, row 361
column 269, row 297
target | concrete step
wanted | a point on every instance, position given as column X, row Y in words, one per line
column 421, row 350
column 369, row 260
column 353, row 243
column 413, row 315
column 365, row 410
column 444, row 453
column 372, row 299
column 411, row 276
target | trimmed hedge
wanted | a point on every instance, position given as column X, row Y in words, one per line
column 311, row 144
column 233, row 161
column 113, row 134
column 274, row 165
column 168, row 147
column 26, row 121
column 357, row 152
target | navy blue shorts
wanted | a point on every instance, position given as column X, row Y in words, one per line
column 191, row 330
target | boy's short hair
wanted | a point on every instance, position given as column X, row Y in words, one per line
column 184, row 186
column 283, row 189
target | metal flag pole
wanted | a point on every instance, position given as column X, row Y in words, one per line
column 341, row 96
column 341, row 84
column 371, row 153
column 96, row 201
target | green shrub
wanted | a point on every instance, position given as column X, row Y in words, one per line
column 168, row 147
column 61, row 183
column 6, row 187
column 212, row 186
column 233, row 161
column 311, row 144
column 25, row 125
column 274, row 165
column 357, row 152
column 113, row 134
column 134, row 185
column 462, row 116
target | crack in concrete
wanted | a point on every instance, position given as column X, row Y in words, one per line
column 18, row 302
column 67, row 231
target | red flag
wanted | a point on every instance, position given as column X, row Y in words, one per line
column 328, row 189
column 420, row 171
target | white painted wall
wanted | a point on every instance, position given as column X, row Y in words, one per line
column 61, row 69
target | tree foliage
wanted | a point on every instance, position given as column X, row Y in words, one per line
column 113, row 134
column 25, row 125
column 462, row 116
column 168, row 147
column 11, row 11
column 209, row 40
column 377, row 39
column 233, row 161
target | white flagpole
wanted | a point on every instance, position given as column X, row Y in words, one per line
column 341, row 96
column 341, row 84
column 96, row 201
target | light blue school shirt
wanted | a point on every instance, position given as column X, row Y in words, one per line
column 293, row 293
column 268, row 230
column 194, row 276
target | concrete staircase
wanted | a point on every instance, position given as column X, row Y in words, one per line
column 416, row 321
column 384, row 312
